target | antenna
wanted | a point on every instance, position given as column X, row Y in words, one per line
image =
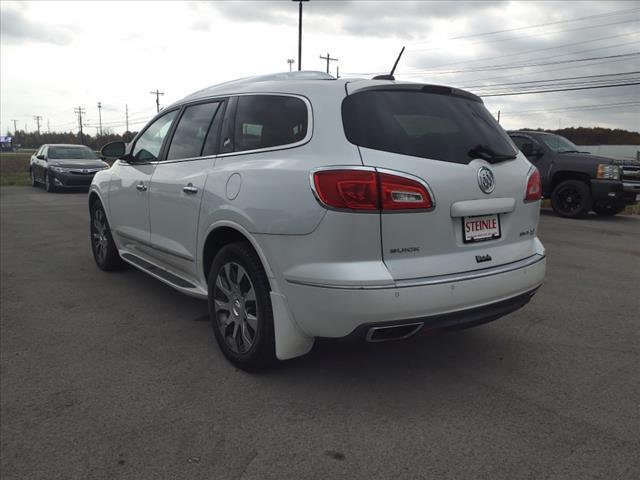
column 390, row 75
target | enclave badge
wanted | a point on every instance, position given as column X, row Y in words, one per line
column 486, row 181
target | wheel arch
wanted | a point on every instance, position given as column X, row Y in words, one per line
column 563, row 175
column 223, row 233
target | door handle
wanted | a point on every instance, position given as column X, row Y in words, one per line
column 189, row 188
column 142, row 187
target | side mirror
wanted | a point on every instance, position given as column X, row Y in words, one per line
column 41, row 157
column 114, row 150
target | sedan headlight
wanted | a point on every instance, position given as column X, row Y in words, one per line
column 608, row 172
column 57, row 169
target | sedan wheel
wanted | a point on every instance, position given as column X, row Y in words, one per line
column 48, row 185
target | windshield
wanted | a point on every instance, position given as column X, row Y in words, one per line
column 428, row 125
column 71, row 153
column 559, row 144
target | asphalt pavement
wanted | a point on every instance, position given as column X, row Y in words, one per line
column 117, row 376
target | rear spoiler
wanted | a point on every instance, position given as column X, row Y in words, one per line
column 418, row 87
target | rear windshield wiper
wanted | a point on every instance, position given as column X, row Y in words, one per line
column 487, row 153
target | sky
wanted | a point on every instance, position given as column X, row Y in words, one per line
column 58, row 56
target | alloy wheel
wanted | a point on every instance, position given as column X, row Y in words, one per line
column 99, row 235
column 236, row 307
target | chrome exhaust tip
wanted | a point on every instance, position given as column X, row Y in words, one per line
column 393, row 332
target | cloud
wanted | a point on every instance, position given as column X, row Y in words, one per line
column 17, row 28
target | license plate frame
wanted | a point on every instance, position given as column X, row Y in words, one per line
column 474, row 237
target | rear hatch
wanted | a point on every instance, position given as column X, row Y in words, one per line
column 447, row 138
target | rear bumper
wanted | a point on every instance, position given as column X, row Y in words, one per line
column 454, row 320
column 339, row 312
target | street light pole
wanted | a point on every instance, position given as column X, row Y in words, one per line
column 300, row 32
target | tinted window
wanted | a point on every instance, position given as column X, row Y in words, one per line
column 523, row 143
column 148, row 146
column 192, row 130
column 559, row 144
column 429, row 125
column 264, row 121
column 71, row 153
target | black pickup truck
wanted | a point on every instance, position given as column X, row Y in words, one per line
column 578, row 182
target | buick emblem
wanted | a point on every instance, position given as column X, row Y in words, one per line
column 85, row 170
column 486, row 182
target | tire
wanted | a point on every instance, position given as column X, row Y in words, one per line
column 240, row 307
column 571, row 199
column 48, row 186
column 103, row 247
column 34, row 182
column 607, row 209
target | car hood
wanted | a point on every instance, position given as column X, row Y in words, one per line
column 80, row 163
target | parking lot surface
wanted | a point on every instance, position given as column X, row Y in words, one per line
column 111, row 376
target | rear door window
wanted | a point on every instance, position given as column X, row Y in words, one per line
column 264, row 121
column 435, row 126
column 193, row 130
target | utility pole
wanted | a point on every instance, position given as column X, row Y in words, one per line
column 328, row 59
column 498, row 116
column 37, row 118
column 100, row 117
column 290, row 61
column 126, row 114
column 300, row 32
column 79, row 111
column 157, row 93
column 15, row 126
column 48, row 126
column 337, row 71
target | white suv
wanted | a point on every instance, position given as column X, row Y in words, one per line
column 303, row 206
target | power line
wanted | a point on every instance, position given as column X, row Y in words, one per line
column 559, row 90
column 157, row 93
column 79, row 111
column 546, row 24
column 100, row 116
column 535, row 50
column 37, row 118
column 552, row 80
column 520, row 37
column 328, row 59
column 524, row 65
column 580, row 107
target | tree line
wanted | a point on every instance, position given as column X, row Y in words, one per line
column 596, row 135
column 95, row 142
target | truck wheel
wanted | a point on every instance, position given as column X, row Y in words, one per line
column 103, row 247
column 608, row 209
column 571, row 199
column 240, row 307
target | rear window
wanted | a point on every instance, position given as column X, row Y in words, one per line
column 428, row 125
column 71, row 153
column 264, row 121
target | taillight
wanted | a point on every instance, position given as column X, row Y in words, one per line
column 401, row 193
column 534, row 188
column 355, row 189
